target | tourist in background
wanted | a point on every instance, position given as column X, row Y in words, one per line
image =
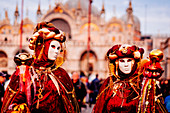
column 2, row 82
column 94, row 87
column 80, row 89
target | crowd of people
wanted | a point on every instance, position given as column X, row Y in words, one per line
column 86, row 91
column 40, row 85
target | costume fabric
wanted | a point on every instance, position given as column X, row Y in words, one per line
column 51, row 102
column 1, row 92
column 119, row 97
column 40, row 87
column 129, row 93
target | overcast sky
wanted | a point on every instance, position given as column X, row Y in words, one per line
column 154, row 15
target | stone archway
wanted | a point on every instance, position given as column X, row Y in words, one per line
column 62, row 25
column 3, row 59
column 92, row 62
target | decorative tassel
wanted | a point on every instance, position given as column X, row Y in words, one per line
column 40, row 96
column 21, row 75
column 116, row 62
column 111, row 70
column 59, row 61
column 37, row 104
column 41, row 52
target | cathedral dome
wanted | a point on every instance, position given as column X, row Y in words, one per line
column 136, row 22
column 131, row 19
column 83, row 4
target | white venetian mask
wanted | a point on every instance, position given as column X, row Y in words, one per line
column 126, row 64
column 54, row 50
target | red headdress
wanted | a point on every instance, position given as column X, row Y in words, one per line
column 44, row 33
column 122, row 51
column 153, row 69
column 150, row 96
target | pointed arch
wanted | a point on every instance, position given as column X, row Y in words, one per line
column 3, row 59
column 92, row 62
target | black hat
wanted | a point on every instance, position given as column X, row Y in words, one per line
column 2, row 74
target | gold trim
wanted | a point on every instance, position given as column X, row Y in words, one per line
column 10, row 89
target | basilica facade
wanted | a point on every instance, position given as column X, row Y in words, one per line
column 72, row 18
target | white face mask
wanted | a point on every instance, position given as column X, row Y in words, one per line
column 54, row 50
column 126, row 64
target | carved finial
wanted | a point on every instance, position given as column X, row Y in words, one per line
column 103, row 8
column 6, row 14
column 79, row 5
column 16, row 13
column 39, row 9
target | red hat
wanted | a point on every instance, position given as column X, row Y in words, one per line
column 44, row 33
column 125, row 51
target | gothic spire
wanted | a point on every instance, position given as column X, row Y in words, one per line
column 49, row 4
column 103, row 8
column 129, row 10
column 39, row 9
column 79, row 5
column 6, row 14
column 16, row 13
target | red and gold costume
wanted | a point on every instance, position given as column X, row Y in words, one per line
column 39, row 85
column 151, row 100
column 120, row 93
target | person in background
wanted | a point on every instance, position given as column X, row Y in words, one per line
column 2, row 82
column 7, row 81
column 80, row 89
column 167, row 103
column 94, row 87
column 165, row 86
column 82, row 74
column 87, row 86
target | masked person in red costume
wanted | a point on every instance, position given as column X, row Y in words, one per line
column 121, row 91
column 39, row 85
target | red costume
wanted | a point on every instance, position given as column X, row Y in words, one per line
column 120, row 93
column 39, row 85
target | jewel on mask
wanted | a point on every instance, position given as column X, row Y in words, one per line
column 124, row 48
column 136, row 54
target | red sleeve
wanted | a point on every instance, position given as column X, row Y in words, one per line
column 64, row 78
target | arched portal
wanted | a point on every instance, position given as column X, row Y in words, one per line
column 92, row 62
column 62, row 25
column 3, row 59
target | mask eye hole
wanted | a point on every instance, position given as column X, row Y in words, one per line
column 129, row 60
column 58, row 48
column 53, row 46
column 122, row 60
